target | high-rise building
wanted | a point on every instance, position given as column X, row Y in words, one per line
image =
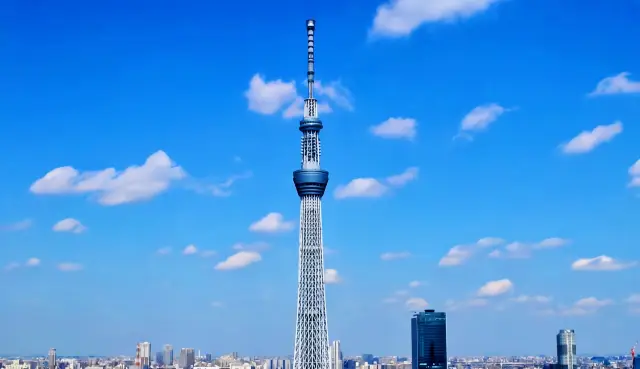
column 429, row 340
column 53, row 358
column 336, row 355
column 167, row 352
column 311, row 349
column 367, row 358
column 159, row 358
column 143, row 355
column 187, row 358
column 566, row 345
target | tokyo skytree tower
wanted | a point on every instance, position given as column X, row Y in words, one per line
column 312, row 338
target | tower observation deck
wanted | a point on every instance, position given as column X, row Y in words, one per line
column 311, row 349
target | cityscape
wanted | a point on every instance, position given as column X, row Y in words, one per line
column 313, row 344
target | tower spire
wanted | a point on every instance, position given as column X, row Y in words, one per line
column 311, row 28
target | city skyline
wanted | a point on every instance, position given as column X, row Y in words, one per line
column 460, row 176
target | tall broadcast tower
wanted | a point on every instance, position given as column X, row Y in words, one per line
column 312, row 338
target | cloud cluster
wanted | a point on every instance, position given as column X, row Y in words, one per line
column 634, row 172
column 31, row 262
column 601, row 263
column 396, row 128
column 618, row 84
column 331, row 276
column 272, row 223
column 586, row 141
column 69, row 225
column 583, row 306
column 495, row 288
column 110, row 186
column 270, row 97
column 479, row 119
column 372, row 187
column 397, row 18
column 239, row 260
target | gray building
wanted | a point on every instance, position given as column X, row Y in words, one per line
column 53, row 358
column 566, row 345
column 187, row 358
column 167, row 353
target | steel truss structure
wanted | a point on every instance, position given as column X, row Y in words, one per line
column 311, row 349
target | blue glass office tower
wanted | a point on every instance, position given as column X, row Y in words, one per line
column 429, row 340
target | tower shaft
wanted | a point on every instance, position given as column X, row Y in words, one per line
column 311, row 349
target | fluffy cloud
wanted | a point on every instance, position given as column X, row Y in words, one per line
column 396, row 128
column 495, row 288
column 416, row 303
column 480, row 118
column 414, row 284
column 331, row 276
column 552, row 242
column 521, row 250
column 269, row 97
column 190, row 250
column 371, row 187
column 532, row 298
column 111, row 187
column 69, row 225
column 633, row 298
column 619, row 84
column 601, row 263
column 490, row 241
column 397, row 18
column 589, row 140
column 17, row 226
column 32, row 262
column 69, row 267
column 584, row 306
column 634, row 172
column 272, row 223
column 387, row 256
column 457, row 255
column 239, row 260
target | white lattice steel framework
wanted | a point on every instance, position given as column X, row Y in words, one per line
column 312, row 338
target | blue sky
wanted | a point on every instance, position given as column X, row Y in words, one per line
column 510, row 122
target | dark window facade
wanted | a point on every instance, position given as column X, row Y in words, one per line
column 429, row 340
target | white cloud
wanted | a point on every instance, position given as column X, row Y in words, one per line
column 268, row 97
column 331, row 276
column 514, row 250
column 495, row 288
column 396, row 128
column 495, row 254
column 601, row 263
column 136, row 183
column 532, row 298
column 17, row 226
column 239, row 260
column 634, row 172
column 216, row 304
column 272, row 223
column 387, row 256
column 69, row 267
column 416, row 303
column 584, row 306
column 69, row 225
column 619, row 84
column 223, row 189
column 32, row 262
column 360, row 187
column 254, row 246
column 397, row 18
column 414, row 284
column 163, row 251
column 207, row 253
column 481, row 117
column 552, row 242
column 371, row 187
column 490, row 242
column 457, row 255
column 589, row 140
column 190, row 250
column 633, row 298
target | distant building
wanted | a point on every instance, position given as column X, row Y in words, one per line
column 635, row 362
column 367, row 358
column 53, row 358
column 349, row 364
column 187, row 358
column 429, row 340
column 335, row 354
column 160, row 358
column 566, row 345
column 207, row 357
column 167, row 352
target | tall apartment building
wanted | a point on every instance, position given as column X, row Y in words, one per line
column 167, row 352
column 429, row 340
column 335, row 356
column 566, row 345
column 187, row 358
column 53, row 358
